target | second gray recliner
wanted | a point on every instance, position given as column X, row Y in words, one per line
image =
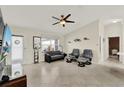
column 85, row 58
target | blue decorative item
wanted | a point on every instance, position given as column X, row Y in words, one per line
column 6, row 43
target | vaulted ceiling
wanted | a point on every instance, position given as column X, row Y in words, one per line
column 40, row 17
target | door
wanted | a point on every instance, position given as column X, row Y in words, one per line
column 17, row 49
column 114, row 46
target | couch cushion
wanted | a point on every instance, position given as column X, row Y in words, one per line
column 57, row 52
column 54, row 57
column 52, row 53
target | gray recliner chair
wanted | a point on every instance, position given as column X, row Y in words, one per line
column 73, row 56
column 75, row 53
column 85, row 58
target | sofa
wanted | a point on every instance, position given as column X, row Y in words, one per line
column 53, row 56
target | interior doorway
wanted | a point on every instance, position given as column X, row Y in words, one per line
column 114, row 47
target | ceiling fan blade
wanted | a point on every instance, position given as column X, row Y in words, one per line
column 67, row 16
column 63, row 25
column 56, row 23
column 70, row 21
column 55, row 17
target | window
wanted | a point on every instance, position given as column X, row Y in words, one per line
column 49, row 44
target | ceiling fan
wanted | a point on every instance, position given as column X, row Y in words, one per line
column 63, row 20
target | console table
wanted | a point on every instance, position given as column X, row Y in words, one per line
column 17, row 82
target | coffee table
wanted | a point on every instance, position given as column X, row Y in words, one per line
column 69, row 58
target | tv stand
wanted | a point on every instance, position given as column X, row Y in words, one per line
column 17, row 82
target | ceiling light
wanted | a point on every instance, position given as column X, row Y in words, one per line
column 115, row 21
column 62, row 22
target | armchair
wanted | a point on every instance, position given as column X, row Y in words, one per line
column 75, row 53
column 85, row 58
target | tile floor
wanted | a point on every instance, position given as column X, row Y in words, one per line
column 62, row 74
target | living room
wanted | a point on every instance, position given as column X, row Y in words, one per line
column 43, row 30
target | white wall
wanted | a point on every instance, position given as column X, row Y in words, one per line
column 111, row 30
column 28, row 41
column 90, row 31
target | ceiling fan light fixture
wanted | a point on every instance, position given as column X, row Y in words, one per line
column 62, row 22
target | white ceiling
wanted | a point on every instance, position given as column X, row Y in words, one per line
column 39, row 17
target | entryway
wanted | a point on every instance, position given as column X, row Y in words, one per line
column 114, row 48
column 111, row 42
